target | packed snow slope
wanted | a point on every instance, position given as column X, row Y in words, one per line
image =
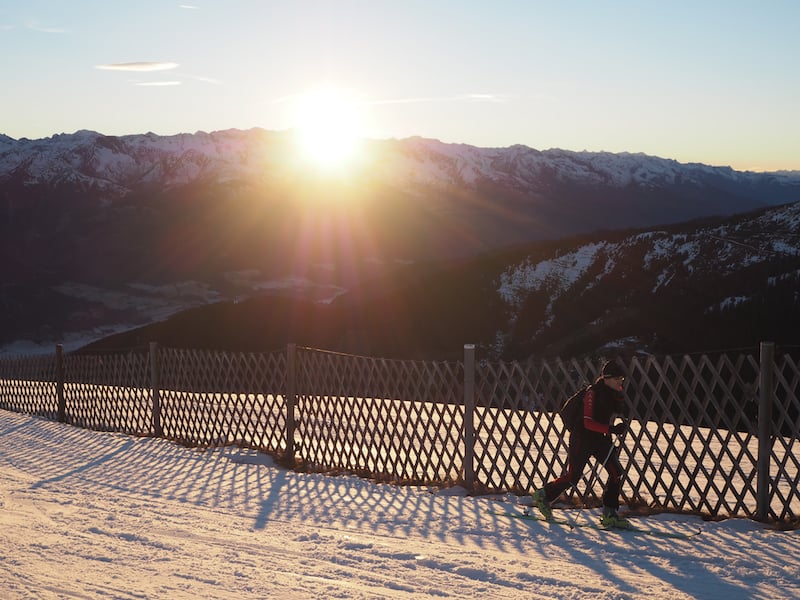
column 102, row 515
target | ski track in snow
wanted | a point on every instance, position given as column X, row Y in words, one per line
column 100, row 515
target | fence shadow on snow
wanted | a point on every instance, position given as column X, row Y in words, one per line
column 711, row 435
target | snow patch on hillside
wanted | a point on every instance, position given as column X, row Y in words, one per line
column 555, row 275
column 730, row 302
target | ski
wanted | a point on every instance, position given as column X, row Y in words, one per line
column 573, row 524
column 675, row 535
column 537, row 517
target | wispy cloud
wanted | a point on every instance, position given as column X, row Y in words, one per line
column 486, row 97
column 419, row 99
column 158, row 83
column 35, row 26
column 205, row 79
column 189, row 6
column 458, row 98
column 138, row 66
column 151, row 66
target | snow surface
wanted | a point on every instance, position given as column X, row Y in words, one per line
column 556, row 274
column 104, row 515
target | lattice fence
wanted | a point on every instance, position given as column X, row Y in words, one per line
column 519, row 438
column 28, row 385
column 716, row 435
column 784, row 449
column 219, row 398
column 395, row 419
column 108, row 392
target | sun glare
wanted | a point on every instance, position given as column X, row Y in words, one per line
column 328, row 123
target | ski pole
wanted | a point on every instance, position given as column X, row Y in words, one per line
column 590, row 482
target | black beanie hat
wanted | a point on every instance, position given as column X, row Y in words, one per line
column 612, row 369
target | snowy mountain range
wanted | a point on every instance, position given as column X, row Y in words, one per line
column 120, row 166
column 730, row 284
column 102, row 234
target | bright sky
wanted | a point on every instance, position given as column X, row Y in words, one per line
column 712, row 81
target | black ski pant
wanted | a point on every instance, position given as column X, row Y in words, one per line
column 580, row 449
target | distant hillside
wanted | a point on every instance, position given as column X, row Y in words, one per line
column 101, row 234
column 726, row 283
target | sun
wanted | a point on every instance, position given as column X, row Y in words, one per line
column 328, row 122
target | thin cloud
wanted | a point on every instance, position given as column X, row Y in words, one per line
column 205, row 79
column 138, row 66
column 459, row 98
column 34, row 25
column 148, row 67
column 486, row 97
column 158, row 83
column 416, row 100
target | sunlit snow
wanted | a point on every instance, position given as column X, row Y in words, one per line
column 104, row 515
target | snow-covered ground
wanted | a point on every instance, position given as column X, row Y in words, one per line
column 101, row 515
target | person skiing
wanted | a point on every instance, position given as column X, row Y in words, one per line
column 601, row 402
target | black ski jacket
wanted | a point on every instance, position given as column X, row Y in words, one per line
column 600, row 404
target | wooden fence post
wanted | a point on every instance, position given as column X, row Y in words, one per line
column 291, row 400
column 155, row 385
column 62, row 400
column 469, row 416
column 765, row 400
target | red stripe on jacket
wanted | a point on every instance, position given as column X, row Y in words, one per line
column 588, row 414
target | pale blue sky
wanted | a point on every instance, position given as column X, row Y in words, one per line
column 714, row 81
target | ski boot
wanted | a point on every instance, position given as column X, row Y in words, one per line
column 611, row 519
column 540, row 502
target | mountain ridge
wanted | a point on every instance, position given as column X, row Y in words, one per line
column 103, row 233
column 243, row 148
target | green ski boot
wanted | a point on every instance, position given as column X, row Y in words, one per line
column 540, row 502
column 611, row 519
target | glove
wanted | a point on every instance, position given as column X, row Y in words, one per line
column 619, row 428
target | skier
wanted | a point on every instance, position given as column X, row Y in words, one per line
column 602, row 400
